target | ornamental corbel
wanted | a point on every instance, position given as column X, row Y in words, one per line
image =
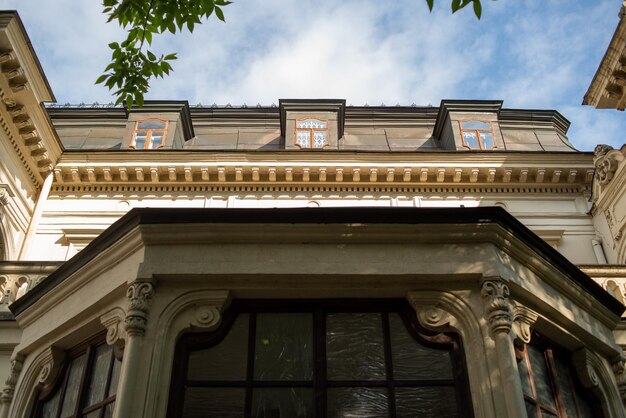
column 139, row 296
column 17, row 363
column 52, row 360
column 114, row 322
column 498, row 309
column 523, row 321
column 434, row 318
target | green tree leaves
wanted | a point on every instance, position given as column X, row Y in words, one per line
column 131, row 68
column 459, row 4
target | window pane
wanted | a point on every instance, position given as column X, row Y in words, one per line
column 319, row 139
column 522, row 367
column 487, row 140
column 312, row 124
column 563, row 380
column 471, row 140
column 140, row 140
column 51, row 407
column 115, row 377
column 282, row 403
column 304, row 139
column 73, row 385
column 476, row 124
column 224, row 361
column 151, row 124
column 93, row 414
column 411, row 360
column 284, row 347
column 426, row 402
column 99, row 375
column 156, row 140
column 358, row 402
column 531, row 410
column 108, row 410
column 354, row 346
column 214, row 402
column 541, row 376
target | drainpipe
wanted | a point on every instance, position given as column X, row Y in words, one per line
column 598, row 250
column 34, row 220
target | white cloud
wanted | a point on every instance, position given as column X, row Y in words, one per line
column 529, row 54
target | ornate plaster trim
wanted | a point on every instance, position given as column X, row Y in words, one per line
column 619, row 369
column 52, row 360
column 596, row 376
column 606, row 161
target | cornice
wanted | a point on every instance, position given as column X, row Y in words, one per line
column 319, row 169
column 22, row 90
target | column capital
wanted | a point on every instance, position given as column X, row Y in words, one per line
column 139, row 296
column 495, row 293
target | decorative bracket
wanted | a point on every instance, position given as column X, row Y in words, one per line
column 113, row 321
column 17, row 363
column 52, row 360
column 523, row 321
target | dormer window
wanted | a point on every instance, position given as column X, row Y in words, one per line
column 149, row 134
column 477, row 134
column 311, row 133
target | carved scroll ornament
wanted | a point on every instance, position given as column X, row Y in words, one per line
column 139, row 296
column 495, row 294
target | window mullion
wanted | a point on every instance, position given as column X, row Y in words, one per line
column 250, row 368
column 388, row 364
column 560, row 404
column 83, row 379
column 319, row 375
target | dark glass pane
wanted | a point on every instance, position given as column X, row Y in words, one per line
column 115, row 377
column 93, row 414
column 426, row 402
column 224, row 361
column 51, row 407
column 284, row 346
column 354, row 346
column 151, row 124
column 541, row 377
column 99, row 375
column 546, row 414
column 471, row 140
column 565, row 385
column 587, row 404
column 156, row 140
column 358, row 402
column 476, row 124
column 531, row 410
column 282, row 403
column 214, row 402
column 108, row 410
column 522, row 367
column 140, row 140
column 411, row 360
column 487, row 140
column 77, row 366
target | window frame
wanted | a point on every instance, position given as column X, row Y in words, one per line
column 148, row 144
column 311, row 133
column 478, row 132
column 87, row 347
column 191, row 341
column 549, row 351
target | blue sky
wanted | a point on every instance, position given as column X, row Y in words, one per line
column 531, row 54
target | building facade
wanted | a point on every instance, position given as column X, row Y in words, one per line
column 305, row 259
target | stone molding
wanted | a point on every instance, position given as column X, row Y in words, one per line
column 495, row 294
column 595, row 375
column 619, row 369
column 139, row 296
column 195, row 311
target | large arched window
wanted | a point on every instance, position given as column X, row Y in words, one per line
column 302, row 359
